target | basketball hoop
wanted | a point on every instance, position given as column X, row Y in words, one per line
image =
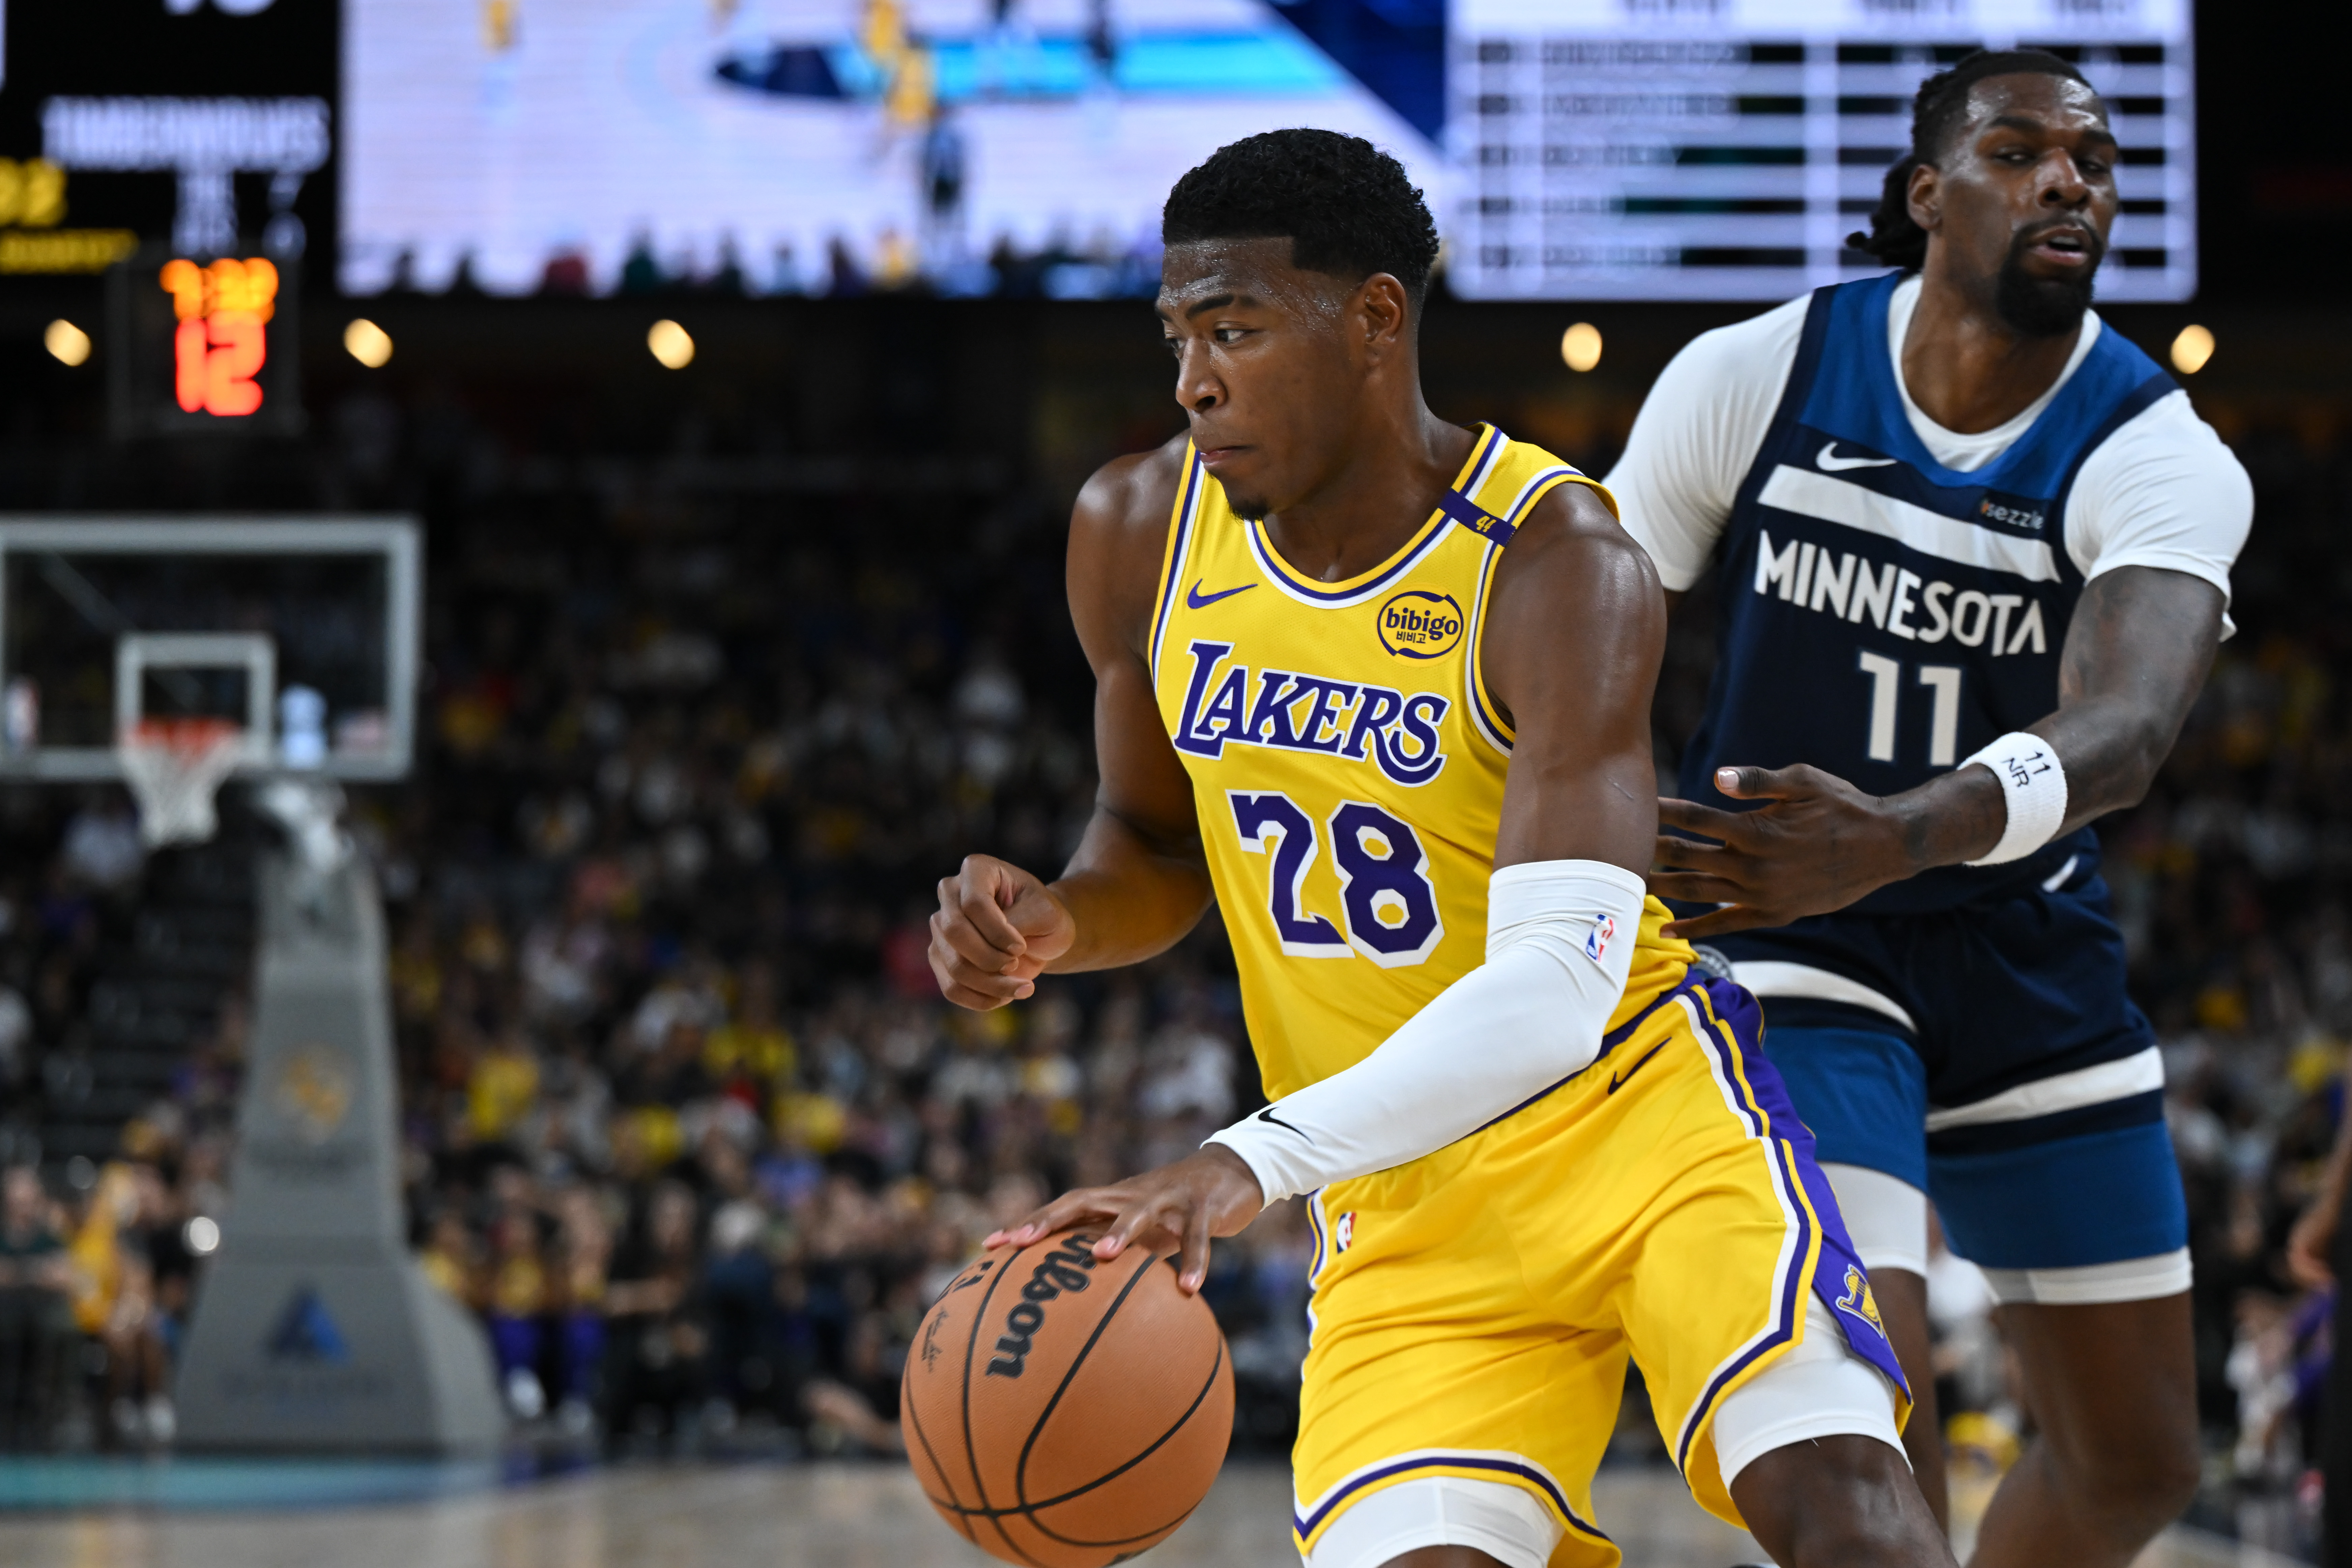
column 174, row 767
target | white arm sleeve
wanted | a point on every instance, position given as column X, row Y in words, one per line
column 1559, row 942
column 1696, row 436
column 2163, row 490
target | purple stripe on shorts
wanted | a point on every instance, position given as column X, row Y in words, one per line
column 1838, row 1276
column 1308, row 1525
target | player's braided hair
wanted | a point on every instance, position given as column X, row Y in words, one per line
column 1345, row 206
column 1935, row 113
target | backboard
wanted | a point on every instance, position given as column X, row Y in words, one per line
column 303, row 631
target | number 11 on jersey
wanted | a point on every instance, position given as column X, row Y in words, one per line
column 1885, row 692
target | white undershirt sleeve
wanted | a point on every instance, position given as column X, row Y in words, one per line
column 1559, row 943
column 2164, row 491
column 1698, row 435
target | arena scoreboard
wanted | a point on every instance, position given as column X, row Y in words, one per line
column 1724, row 148
column 126, row 121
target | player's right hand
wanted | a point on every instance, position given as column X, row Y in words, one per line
column 997, row 928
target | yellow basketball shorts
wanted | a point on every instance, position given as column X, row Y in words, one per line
column 1473, row 1310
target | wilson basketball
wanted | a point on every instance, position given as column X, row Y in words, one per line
column 1063, row 1412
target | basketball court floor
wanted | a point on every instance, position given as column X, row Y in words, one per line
column 799, row 1516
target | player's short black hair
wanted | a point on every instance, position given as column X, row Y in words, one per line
column 1936, row 114
column 1345, row 206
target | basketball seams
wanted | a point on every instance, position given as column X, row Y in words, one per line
column 907, row 1403
column 1054, row 1401
column 1181, row 1422
column 963, row 1394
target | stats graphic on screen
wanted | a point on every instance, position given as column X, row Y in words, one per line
column 1572, row 149
column 1724, row 148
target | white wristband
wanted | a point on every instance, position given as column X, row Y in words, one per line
column 2033, row 784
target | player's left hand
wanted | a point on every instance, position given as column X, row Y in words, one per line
column 1176, row 1208
column 1816, row 845
column 2310, row 1244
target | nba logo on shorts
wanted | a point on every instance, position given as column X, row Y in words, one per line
column 1604, row 932
column 1343, row 1232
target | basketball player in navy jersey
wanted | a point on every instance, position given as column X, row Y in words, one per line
column 1972, row 551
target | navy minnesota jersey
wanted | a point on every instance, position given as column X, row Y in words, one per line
column 1881, row 615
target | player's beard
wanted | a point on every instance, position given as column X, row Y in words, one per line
column 1249, row 509
column 2044, row 307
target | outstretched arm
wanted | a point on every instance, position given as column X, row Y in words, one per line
column 2311, row 1244
column 2142, row 641
column 1138, row 880
column 1573, row 635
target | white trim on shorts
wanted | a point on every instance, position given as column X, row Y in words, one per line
column 1508, row 1523
column 1885, row 1217
column 2138, row 1073
column 2094, row 1284
column 1878, row 1213
column 1776, row 977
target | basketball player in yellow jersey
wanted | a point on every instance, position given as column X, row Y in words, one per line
column 1380, row 685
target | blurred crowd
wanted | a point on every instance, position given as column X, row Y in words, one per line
column 684, row 1117
column 687, row 1124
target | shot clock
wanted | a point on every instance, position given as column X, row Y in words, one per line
column 222, row 342
column 204, row 344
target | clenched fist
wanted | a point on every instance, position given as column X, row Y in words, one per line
column 997, row 928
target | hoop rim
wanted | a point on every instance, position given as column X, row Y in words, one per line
column 174, row 766
column 179, row 734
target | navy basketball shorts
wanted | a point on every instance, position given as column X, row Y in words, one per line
column 1988, row 1058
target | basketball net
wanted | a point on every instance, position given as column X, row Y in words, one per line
column 174, row 767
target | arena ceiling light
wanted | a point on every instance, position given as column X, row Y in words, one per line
column 1580, row 347
column 67, row 343
column 671, row 344
column 367, row 343
column 2192, row 349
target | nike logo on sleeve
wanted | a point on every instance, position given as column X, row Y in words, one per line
column 1831, row 463
column 1268, row 1114
column 1200, row 601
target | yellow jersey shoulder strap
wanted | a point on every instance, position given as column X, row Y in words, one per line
column 1521, row 474
column 1501, row 498
column 1477, row 519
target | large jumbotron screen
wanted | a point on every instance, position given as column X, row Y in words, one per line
column 1573, row 149
column 685, row 134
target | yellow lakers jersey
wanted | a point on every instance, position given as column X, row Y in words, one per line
column 1347, row 763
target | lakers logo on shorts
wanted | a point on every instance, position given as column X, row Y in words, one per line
column 1859, row 1302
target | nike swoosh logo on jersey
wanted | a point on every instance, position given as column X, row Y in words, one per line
column 1200, row 601
column 1268, row 1114
column 1618, row 1081
column 1831, row 463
